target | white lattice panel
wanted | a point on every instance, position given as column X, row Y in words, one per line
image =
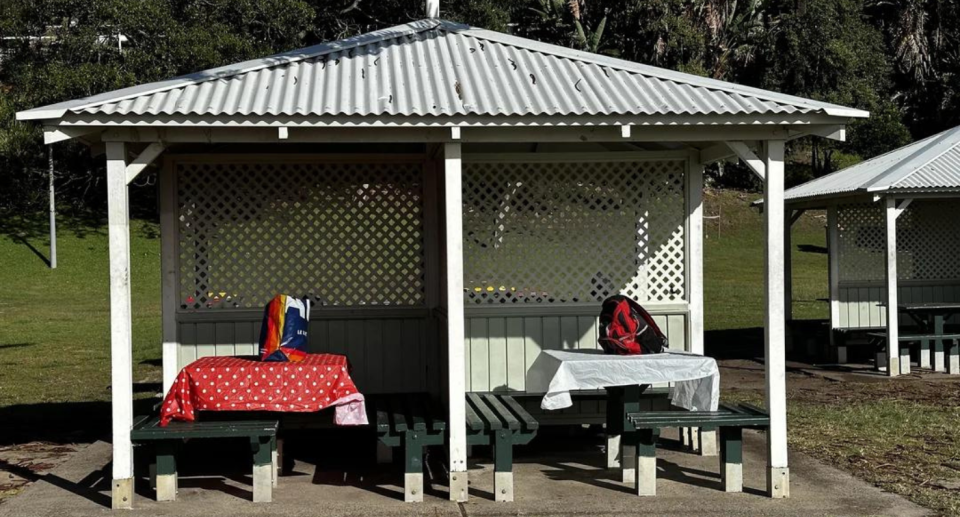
column 573, row 232
column 928, row 241
column 344, row 234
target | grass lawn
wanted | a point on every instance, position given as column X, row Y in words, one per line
column 54, row 348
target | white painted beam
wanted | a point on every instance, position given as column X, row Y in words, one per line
column 433, row 8
column 625, row 131
column 748, row 157
column 833, row 273
column 456, row 365
column 838, row 133
column 143, row 160
column 121, row 340
column 172, row 135
column 455, row 133
column 168, row 274
column 788, row 265
column 54, row 134
column 778, row 474
column 283, row 133
column 694, row 191
column 890, row 260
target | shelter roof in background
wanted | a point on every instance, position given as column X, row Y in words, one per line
column 437, row 68
column 930, row 165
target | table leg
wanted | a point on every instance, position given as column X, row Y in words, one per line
column 614, row 426
column 628, row 441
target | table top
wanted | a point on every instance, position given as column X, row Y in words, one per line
column 695, row 378
column 245, row 384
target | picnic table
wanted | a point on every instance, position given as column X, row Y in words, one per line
column 695, row 386
column 931, row 318
column 318, row 382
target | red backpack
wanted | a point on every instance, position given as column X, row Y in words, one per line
column 626, row 328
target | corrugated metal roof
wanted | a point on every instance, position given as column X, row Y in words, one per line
column 931, row 164
column 438, row 68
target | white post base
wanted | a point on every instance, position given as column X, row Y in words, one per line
column 905, row 363
column 938, row 361
column 384, row 453
column 503, row 487
column 646, row 482
column 413, row 487
column 263, row 483
column 613, row 451
column 708, row 443
column 458, row 487
column 122, row 494
column 778, row 482
column 628, row 462
column 695, row 439
column 953, row 364
column 842, row 355
column 167, row 487
column 731, row 476
column 925, row 353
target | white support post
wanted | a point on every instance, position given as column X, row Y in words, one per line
column 893, row 327
column 456, row 366
column 788, row 266
column 168, row 272
column 778, row 473
column 833, row 274
column 695, row 255
column 53, row 211
column 121, row 341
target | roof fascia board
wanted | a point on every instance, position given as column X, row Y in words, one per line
column 441, row 134
column 804, row 122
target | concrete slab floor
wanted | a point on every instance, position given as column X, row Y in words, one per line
column 560, row 474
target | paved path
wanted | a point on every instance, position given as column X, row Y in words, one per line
column 547, row 483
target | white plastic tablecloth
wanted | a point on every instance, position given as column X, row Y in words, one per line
column 695, row 378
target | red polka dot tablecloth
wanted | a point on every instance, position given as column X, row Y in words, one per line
column 237, row 384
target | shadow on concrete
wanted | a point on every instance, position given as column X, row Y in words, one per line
column 90, row 487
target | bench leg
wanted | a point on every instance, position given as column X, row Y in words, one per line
column 731, row 459
column 166, row 471
column 904, row 360
column 412, row 467
column 503, row 466
column 262, row 448
column 646, row 477
column 708, row 442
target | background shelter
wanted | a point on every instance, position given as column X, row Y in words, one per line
column 892, row 235
column 455, row 199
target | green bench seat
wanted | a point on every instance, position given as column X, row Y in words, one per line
column 262, row 435
column 501, row 422
column 730, row 420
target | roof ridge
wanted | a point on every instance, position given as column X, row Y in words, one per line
column 904, row 169
column 245, row 67
column 660, row 73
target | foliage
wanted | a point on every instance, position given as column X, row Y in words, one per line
column 898, row 59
